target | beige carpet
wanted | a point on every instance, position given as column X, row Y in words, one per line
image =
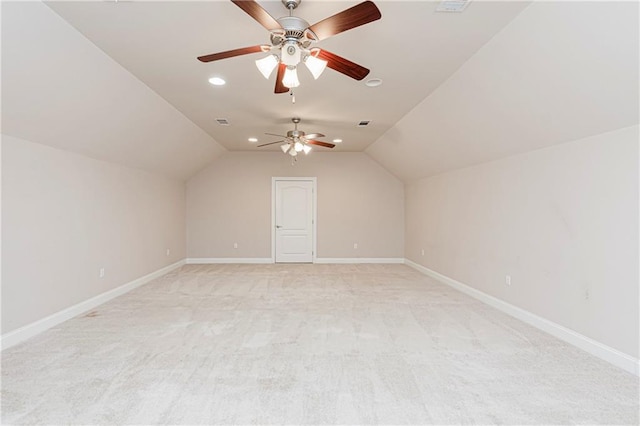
column 306, row 344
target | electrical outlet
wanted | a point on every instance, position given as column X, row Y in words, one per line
column 101, row 273
column 168, row 252
column 422, row 252
column 355, row 246
column 507, row 280
column 235, row 245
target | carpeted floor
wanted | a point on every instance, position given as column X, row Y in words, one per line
column 306, row 344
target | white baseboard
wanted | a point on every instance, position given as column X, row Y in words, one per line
column 359, row 260
column 254, row 260
column 212, row 260
column 587, row 344
column 609, row 354
column 21, row 334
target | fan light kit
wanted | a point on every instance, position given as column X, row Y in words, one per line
column 297, row 141
column 292, row 39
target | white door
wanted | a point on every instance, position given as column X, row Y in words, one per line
column 293, row 213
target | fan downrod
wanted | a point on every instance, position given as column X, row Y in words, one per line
column 295, row 133
column 291, row 4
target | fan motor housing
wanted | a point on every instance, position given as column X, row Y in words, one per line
column 293, row 29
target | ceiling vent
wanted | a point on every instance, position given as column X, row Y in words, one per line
column 222, row 121
column 452, row 5
column 364, row 123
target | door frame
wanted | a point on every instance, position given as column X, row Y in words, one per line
column 314, row 185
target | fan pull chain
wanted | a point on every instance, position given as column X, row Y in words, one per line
column 293, row 97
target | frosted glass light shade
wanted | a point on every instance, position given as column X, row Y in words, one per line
column 306, row 149
column 290, row 78
column 267, row 65
column 316, row 66
column 298, row 146
column 285, row 147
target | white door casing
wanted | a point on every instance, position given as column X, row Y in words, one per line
column 293, row 213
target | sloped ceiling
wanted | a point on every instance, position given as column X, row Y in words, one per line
column 58, row 89
column 459, row 89
column 412, row 49
column 560, row 71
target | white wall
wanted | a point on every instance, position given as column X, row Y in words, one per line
column 562, row 221
column 358, row 201
column 65, row 216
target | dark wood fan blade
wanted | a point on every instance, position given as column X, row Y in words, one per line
column 280, row 88
column 256, row 11
column 230, row 53
column 342, row 65
column 273, row 134
column 320, row 143
column 353, row 17
column 314, row 135
column 270, row 143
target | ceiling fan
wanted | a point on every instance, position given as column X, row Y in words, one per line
column 292, row 39
column 297, row 141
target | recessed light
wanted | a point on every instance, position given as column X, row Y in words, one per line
column 373, row 82
column 217, row 81
column 253, row 139
column 337, row 140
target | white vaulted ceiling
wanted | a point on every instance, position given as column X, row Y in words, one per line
column 560, row 71
column 412, row 49
column 59, row 90
column 497, row 79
